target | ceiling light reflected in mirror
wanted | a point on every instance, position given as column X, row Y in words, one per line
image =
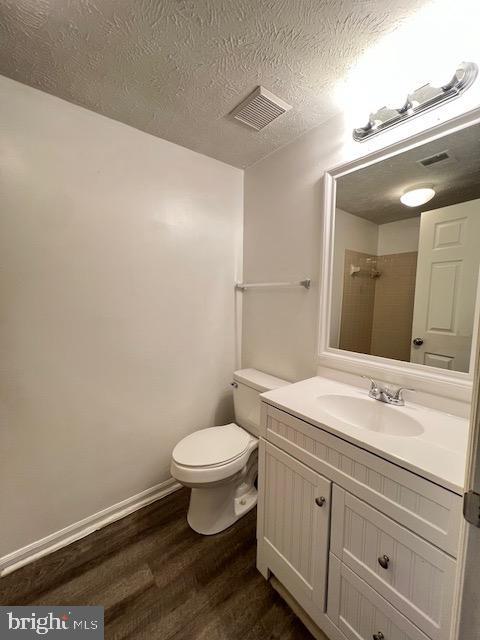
column 417, row 197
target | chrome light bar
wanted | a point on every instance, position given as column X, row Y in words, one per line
column 422, row 99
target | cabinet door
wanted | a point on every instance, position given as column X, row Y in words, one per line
column 296, row 524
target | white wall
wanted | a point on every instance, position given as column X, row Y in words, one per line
column 283, row 237
column 119, row 251
column 356, row 234
column 281, row 244
column 398, row 237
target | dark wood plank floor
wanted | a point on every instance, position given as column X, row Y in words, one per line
column 158, row 579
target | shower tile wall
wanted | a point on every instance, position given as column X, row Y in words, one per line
column 377, row 313
column 393, row 308
column 358, row 303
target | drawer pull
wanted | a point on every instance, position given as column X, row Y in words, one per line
column 383, row 561
column 320, row 501
column 378, row 636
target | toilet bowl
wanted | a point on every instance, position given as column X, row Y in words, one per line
column 219, row 463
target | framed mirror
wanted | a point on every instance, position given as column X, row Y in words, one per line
column 402, row 258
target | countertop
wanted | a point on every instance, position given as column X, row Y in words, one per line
column 438, row 454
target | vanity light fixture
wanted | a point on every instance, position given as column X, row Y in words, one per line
column 422, row 99
column 416, row 197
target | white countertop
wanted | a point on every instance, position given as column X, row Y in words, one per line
column 438, row 454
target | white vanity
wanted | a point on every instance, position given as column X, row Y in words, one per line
column 360, row 508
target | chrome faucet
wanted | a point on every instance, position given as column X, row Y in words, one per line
column 385, row 394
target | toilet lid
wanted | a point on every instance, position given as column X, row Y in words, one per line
column 212, row 446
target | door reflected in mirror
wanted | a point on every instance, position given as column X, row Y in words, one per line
column 405, row 277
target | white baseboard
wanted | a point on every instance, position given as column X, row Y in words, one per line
column 85, row 527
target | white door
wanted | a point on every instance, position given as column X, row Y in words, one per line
column 296, row 527
column 446, row 285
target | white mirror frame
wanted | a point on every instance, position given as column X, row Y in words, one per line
column 451, row 384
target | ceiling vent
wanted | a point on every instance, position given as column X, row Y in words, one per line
column 260, row 108
column 442, row 156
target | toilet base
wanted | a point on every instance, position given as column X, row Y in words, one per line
column 214, row 508
column 217, row 508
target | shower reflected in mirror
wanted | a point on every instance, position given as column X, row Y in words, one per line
column 405, row 274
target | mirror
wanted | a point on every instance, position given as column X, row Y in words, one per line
column 404, row 278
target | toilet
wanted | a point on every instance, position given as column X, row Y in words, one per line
column 220, row 464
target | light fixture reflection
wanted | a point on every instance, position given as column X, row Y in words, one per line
column 416, row 197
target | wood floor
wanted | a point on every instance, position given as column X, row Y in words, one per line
column 158, row 579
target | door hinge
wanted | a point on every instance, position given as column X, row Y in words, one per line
column 471, row 508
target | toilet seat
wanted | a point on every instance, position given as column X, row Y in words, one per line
column 212, row 455
column 212, row 447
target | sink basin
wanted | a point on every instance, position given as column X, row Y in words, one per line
column 365, row 413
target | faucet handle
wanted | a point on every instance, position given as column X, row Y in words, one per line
column 373, row 383
column 375, row 391
column 397, row 395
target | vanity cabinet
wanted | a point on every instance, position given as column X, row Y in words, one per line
column 366, row 547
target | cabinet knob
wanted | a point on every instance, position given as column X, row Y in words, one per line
column 383, row 561
column 320, row 501
column 378, row 636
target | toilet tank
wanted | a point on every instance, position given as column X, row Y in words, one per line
column 250, row 383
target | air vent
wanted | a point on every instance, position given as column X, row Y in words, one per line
column 260, row 108
column 438, row 157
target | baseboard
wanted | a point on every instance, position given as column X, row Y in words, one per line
column 85, row 527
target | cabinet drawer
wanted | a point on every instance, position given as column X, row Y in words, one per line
column 414, row 576
column 431, row 511
column 360, row 612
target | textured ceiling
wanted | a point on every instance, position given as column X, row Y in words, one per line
column 374, row 193
column 176, row 68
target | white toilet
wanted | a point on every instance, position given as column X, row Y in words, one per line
column 220, row 463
